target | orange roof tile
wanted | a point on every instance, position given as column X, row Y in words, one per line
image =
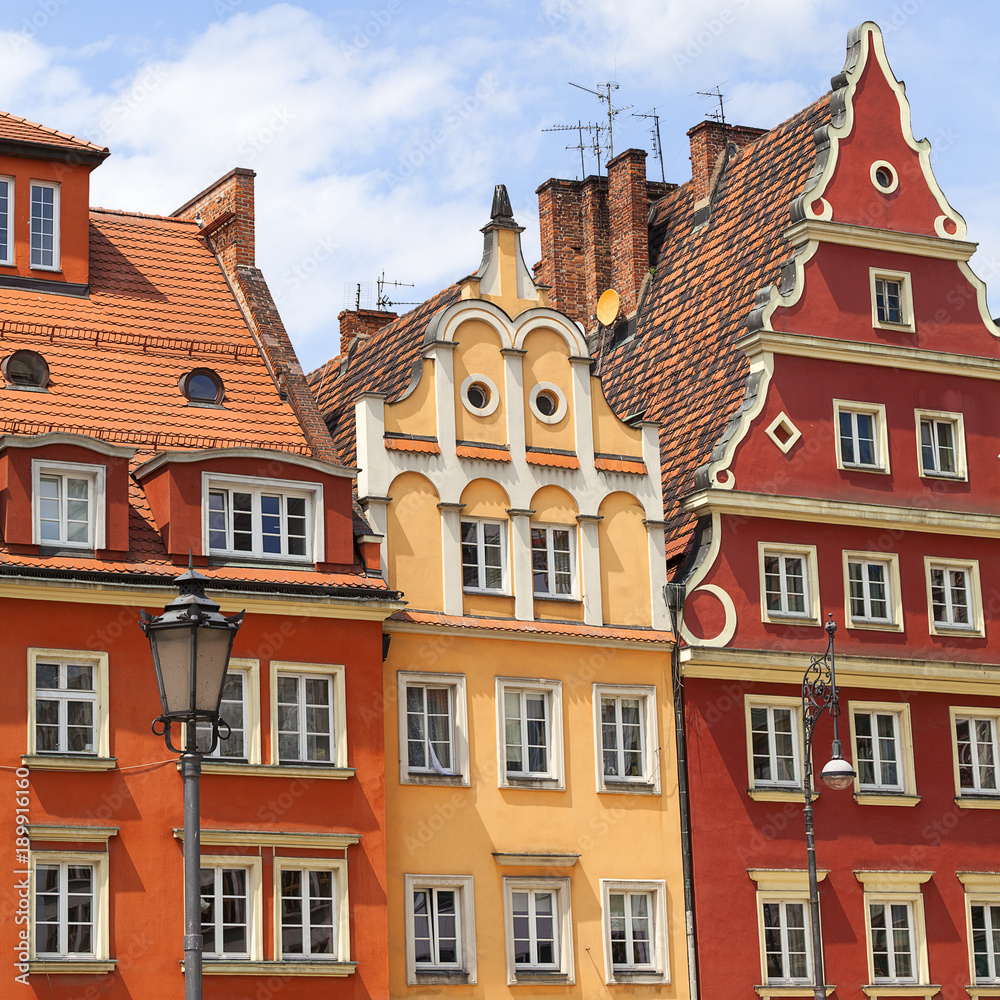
column 619, row 463
column 14, row 129
column 402, row 443
column 551, row 459
column 540, row 628
column 486, row 452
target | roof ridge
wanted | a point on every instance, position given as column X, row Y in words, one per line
column 141, row 215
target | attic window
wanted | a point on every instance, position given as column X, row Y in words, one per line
column 479, row 395
column 884, row 176
column 202, row 385
column 26, row 368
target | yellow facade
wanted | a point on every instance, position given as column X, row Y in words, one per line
column 531, row 780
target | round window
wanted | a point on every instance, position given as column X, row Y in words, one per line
column 478, row 395
column 203, row 386
column 26, row 368
column 547, row 403
column 884, row 177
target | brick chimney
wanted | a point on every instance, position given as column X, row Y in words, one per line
column 225, row 211
column 360, row 324
column 628, row 210
column 708, row 147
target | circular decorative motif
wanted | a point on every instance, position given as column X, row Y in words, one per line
column 26, row 368
column 548, row 402
column 479, row 395
column 884, row 176
column 202, row 385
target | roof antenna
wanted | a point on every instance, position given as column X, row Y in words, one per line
column 613, row 112
column 654, row 130
column 720, row 115
column 384, row 303
column 593, row 141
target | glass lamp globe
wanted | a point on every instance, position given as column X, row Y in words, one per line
column 838, row 774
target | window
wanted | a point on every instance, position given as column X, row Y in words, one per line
column 530, row 728
column 553, row 561
column 45, row 225
column 484, row 556
column 26, row 370
column 440, row 929
column 954, row 596
column 883, row 753
column 260, row 521
column 6, row 219
column 941, row 444
column 871, row 583
column 892, row 300
column 894, row 915
column 538, row 930
column 789, row 586
column 479, row 395
column 230, row 908
column 635, row 941
column 786, row 948
column 627, row 739
column 68, row 504
column 861, row 438
column 234, row 711
column 433, row 730
column 982, row 896
column 69, row 694
column 774, row 728
column 976, row 751
column 308, row 714
column 202, row 385
column 311, row 897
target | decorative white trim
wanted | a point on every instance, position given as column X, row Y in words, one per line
column 264, row 454
column 491, row 404
column 96, row 475
column 560, row 397
column 728, row 606
column 783, row 421
column 36, row 441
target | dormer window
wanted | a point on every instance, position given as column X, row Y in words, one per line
column 26, row 369
column 262, row 518
column 202, row 385
column 68, row 504
column 6, row 206
column 44, row 233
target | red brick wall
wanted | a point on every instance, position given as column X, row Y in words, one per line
column 227, row 213
column 361, row 323
column 708, row 140
column 628, row 209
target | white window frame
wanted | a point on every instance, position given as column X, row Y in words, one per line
column 894, row 603
column 465, row 912
column 554, row 776
column 341, row 908
column 981, row 889
column 957, row 422
column 96, row 475
column 98, row 861
column 783, row 886
column 810, row 579
column 880, row 441
column 8, row 222
column 975, row 627
column 775, row 791
column 976, row 795
column 565, row 970
column 311, row 492
column 338, row 711
column 255, row 893
column 102, row 727
column 55, row 187
column 216, row 761
column 550, row 594
column 649, row 781
column 504, row 588
column 904, row 792
column 905, row 297
column 658, row 971
column 893, row 888
column 459, row 734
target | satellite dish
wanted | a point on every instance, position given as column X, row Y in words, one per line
column 607, row 307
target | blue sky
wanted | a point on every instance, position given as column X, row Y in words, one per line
column 378, row 129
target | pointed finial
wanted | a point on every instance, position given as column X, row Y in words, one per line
column 501, row 211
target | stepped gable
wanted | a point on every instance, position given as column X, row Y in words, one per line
column 682, row 368
column 21, row 131
column 382, row 363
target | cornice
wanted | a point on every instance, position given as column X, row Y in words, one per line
column 867, row 238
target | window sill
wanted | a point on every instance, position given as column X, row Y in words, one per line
column 249, row 967
column 462, row 780
column 872, row 798
column 624, row 977
column 524, row 977
column 26, row 388
column 956, row 631
column 877, row 469
column 955, row 477
column 66, row 549
column 486, row 593
column 977, row 801
column 559, row 598
column 72, row 966
column 778, row 794
column 47, row 762
column 261, row 562
column 789, row 990
column 439, row 977
column 975, row 992
column 613, row 787
column 900, row 990
column 47, row 270
column 550, row 784
column 325, row 771
column 881, row 626
column 777, row 618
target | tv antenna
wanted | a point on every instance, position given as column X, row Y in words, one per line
column 360, row 292
column 384, row 303
column 720, row 115
column 654, row 130
column 613, row 112
column 593, row 141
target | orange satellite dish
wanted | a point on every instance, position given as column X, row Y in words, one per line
column 607, row 307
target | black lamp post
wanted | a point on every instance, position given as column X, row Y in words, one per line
column 191, row 643
column 819, row 693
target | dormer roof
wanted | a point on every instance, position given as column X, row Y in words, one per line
column 20, row 137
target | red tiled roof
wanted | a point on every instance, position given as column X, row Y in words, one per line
column 682, row 368
column 382, row 362
column 14, row 129
column 540, row 628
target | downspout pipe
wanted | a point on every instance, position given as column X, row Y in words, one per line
column 675, row 594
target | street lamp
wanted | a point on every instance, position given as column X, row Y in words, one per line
column 191, row 644
column 819, row 693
